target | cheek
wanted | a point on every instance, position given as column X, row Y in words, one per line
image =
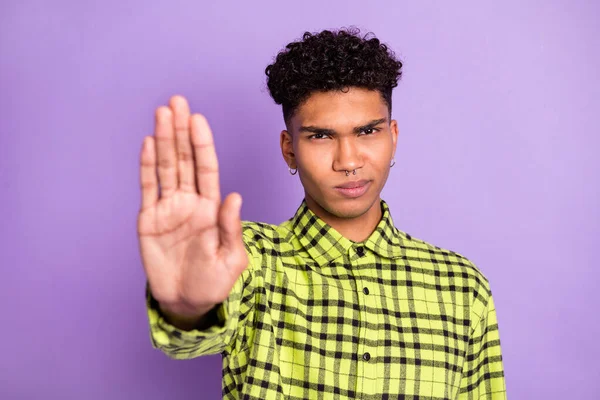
column 314, row 160
column 378, row 154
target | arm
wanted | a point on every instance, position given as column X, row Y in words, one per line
column 191, row 243
column 483, row 373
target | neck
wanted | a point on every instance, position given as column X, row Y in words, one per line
column 355, row 228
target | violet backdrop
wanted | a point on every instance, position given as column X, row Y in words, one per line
column 497, row 159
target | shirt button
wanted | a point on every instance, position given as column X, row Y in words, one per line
column 366, row 356
column 360, row 251
column 366, row 290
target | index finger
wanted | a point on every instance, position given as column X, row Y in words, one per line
column 206, row 163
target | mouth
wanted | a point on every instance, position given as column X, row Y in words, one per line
column 353, row 189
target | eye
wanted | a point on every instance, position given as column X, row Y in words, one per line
column 369, row 131
column 317, row 136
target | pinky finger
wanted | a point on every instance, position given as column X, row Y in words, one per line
column 148, row 180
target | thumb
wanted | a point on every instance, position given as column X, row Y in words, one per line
column 230, row 223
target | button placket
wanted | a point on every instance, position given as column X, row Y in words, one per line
column 366, row 353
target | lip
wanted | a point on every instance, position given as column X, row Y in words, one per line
column 353, row 189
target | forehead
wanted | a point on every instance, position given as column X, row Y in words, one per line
column 339, row 109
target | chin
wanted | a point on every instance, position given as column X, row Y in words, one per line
column 349, row 208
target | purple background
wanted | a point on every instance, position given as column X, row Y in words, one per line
column 497, row 111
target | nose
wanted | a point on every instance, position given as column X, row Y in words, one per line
column 347, row 157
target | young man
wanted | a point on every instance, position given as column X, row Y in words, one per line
column 336, row 302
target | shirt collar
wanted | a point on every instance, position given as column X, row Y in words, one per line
column 324, row 244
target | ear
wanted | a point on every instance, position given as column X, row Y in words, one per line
column 394, row 130
column 286, row 141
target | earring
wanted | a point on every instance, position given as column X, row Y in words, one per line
column 295, row 171
column 393, row 162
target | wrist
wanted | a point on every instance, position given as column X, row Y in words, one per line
column 186, row 319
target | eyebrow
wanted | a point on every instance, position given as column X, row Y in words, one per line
column 332, row 132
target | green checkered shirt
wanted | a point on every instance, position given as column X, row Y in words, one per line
column 316, row 315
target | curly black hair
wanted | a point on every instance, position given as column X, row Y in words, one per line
column 331, row 60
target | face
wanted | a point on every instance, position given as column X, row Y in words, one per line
column 334, row 132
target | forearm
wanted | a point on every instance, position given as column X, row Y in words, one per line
column 186, row 337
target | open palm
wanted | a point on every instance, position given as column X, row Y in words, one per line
column 190, row 242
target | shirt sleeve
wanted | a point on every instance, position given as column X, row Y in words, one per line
column 230, row 316
column 483, row 372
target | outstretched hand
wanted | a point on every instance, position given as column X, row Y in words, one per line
column 190, row 242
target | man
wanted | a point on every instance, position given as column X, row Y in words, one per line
column 335, row 302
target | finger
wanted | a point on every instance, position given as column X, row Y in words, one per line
column 165, row 149
column 148, row 180
column 230, row 231
column 185, row 161
column 207, row 166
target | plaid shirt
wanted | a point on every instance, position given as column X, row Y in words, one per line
column 316, row 315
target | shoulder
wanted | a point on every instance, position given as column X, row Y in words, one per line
column 264, row 235
column 257, row 234
column 250, row 229
column 453, row 270
column 436, row 257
